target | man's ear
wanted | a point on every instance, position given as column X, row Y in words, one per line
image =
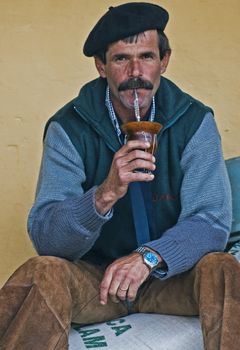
column 164, row 62
column 100, row 67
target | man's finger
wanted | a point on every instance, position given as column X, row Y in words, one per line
column 139, row 154
column 104, row 286
column 113, row 290
column 122, row 293
column 131, row 145
column 123, row 289
column 132, row 291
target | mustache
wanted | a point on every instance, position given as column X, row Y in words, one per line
column 135, row 83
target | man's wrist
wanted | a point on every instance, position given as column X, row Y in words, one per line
column 104, row 200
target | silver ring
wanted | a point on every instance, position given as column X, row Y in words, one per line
column 124, row 290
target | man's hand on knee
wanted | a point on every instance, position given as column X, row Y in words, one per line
column 122, row 279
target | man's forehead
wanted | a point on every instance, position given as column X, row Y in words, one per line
column 146, row 39
column 143, row 36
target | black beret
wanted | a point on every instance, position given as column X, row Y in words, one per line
column 123, row 21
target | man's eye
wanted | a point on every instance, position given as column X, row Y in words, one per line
column 120, row 58
column 147, row 56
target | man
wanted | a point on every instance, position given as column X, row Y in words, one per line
column 91, row 266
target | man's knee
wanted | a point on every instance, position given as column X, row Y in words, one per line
column 218, row 261
column 46, row 262
column 42, row 268
column 216, row 274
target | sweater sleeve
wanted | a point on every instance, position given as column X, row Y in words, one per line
column 205, row 219
column 63, row 220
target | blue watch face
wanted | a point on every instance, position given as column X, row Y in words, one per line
column 153, row 260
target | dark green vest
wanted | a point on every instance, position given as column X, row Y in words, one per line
column 87, row 123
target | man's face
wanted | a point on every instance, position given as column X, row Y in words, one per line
column 132, row 66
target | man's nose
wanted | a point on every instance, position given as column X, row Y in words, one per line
column 134, row 68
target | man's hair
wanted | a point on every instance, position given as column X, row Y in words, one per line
column 163, row 44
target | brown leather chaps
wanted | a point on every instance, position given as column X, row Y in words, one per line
column 42, row 298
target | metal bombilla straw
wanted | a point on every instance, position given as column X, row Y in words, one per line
column 136, row 106
column 137, row 111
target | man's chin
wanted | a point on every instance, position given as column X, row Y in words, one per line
column 128, row 98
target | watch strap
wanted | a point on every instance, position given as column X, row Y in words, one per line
column 140, row 250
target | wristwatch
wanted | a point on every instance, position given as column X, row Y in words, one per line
column 150, row 258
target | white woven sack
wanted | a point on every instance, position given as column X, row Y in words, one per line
column 140, row 332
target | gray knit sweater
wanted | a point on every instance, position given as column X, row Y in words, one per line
column 64, row 222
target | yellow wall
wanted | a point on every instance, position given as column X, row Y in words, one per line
column 42, row 67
